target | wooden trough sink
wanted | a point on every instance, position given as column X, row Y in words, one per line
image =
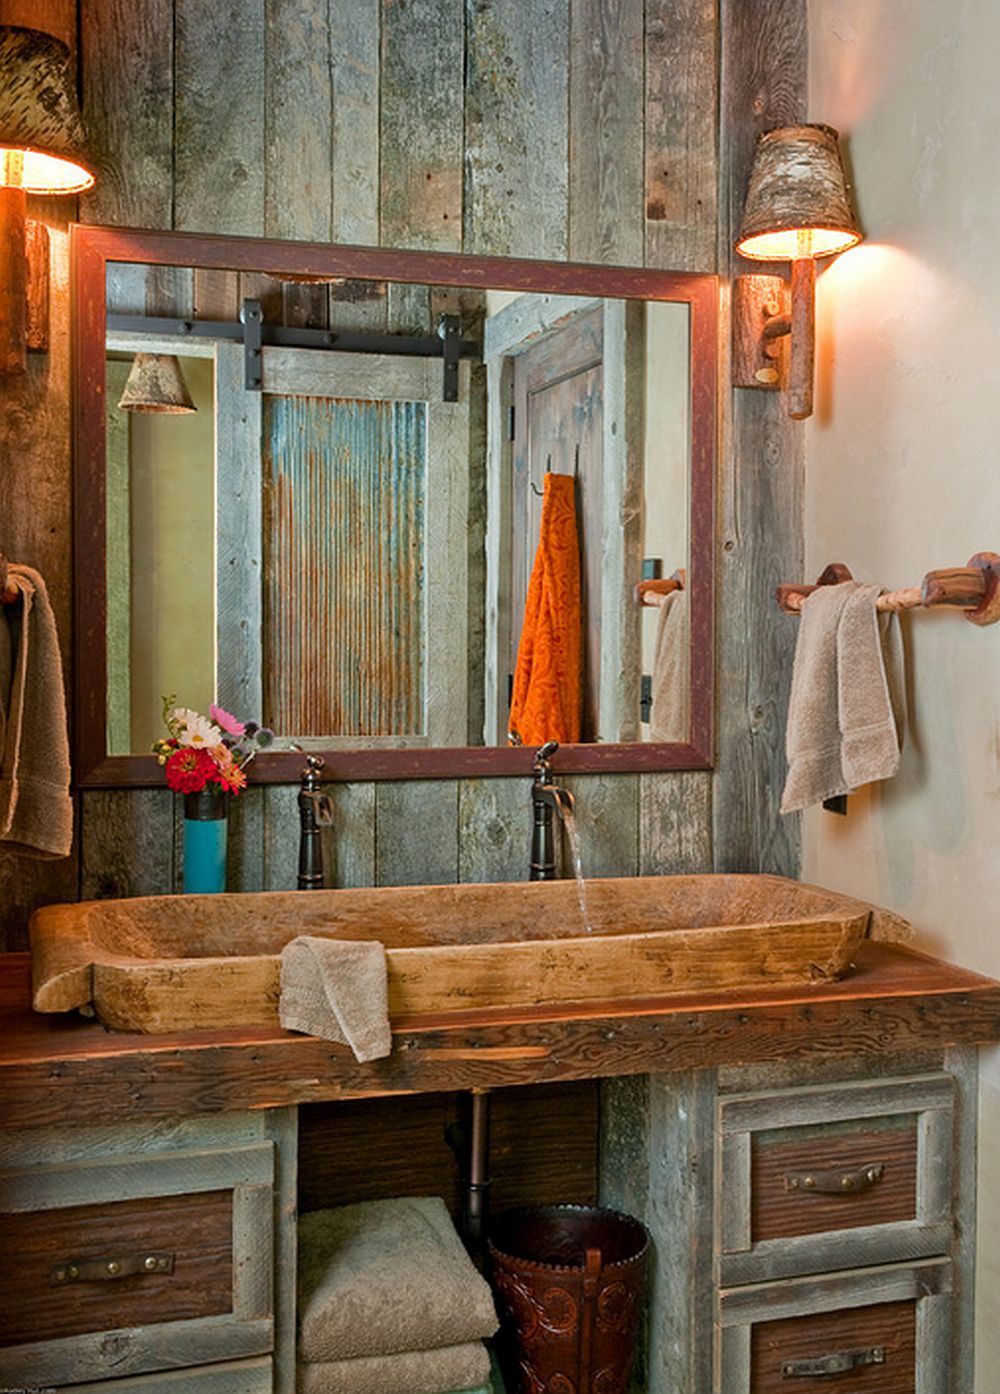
column 175, row 963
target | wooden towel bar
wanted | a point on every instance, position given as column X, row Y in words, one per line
column 656, row 592
column 973, row 589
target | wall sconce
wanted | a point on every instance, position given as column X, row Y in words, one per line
column 156, row 384
column 43, row 150
column 797, row 209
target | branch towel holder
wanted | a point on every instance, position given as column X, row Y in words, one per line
column 973, row 589
column 9, row 594
column 655, row 592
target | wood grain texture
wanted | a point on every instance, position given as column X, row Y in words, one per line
column 763, row 85
column 196, row 1229
column 127, row 71
column 543, row 1148
column 234, row 1377
column 421, row 101
column 355, row 77
column 127, row 842
column 891, row 1325
column 682, row 86
column 73, row 1072
column 516, row 127
column 417, row 829
column 494, row 829
column 605, row 116
column 219, row 139
column 675, row 823
column 779, row 1210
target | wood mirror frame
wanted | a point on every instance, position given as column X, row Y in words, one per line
column 92, row 248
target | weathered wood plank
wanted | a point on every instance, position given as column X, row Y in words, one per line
column 245, row 841
column 298, row 104
column 67, row 1073
column 763, row 85
column 219, row 139
column 421, row 124
column 963, row 1063
column 239, row 539
column 417, row 832
column 282, row 1127
column 494, row 829
column 281, row 837
column 158, row 1346
column 234, row 1377
column 682, row 85
column 119, row 565
column 516, row 127
column 127, row 842
column 35, row 528
column 605, row 114
column 349, row 844
column 355, row 32
column 675, row 823
column 607, row 823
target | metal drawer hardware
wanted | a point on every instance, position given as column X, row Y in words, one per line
column 835, row 1182
column 840, row 1363
column 105, row 1270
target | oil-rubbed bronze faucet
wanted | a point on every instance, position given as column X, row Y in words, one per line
column 546, row 798
column 315, row 812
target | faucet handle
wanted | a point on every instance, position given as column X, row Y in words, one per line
column 546, row 751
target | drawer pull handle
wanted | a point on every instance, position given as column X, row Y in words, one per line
column 840, row 1363
column 106, row 1270
column 836, row 1182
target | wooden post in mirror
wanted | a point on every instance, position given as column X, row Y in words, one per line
column 361, row 583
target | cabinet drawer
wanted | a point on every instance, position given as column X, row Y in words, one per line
column 867, row 1333
column 235, row 1377
column 186, row 1241
column 820, row 1179
column 122, row 1265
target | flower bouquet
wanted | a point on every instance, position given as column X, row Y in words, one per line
column 205, row 759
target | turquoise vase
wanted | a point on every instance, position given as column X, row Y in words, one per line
column 205, row 827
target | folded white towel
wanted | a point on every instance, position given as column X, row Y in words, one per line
column 337, row 989
column 384, row 1277
column 845, row 713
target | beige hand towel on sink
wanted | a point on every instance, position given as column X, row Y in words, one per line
column 845, row 710
column 36, row 810
column 337, row 989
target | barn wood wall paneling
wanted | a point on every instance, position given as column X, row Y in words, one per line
column 534, row 127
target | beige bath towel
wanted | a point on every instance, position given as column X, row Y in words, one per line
column 336, row 989
column 845, row 709
column 669, row 718
column 36, row 810
column 465, row 1367
column 387, row 1276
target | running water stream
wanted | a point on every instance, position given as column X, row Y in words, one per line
column 564, row 803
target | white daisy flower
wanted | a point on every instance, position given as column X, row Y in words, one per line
column 191, row 728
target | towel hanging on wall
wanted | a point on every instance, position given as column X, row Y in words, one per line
column 36, row 811
column 546, row 703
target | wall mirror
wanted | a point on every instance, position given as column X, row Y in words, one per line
column 338, row 540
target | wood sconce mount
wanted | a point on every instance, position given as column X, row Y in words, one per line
column 24, row 284
column 774, row 337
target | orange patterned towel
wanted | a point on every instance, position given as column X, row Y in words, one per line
column 547, row 699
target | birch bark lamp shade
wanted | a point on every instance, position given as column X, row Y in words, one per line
column 43, row 150
column 798, row 209
column 156, row 384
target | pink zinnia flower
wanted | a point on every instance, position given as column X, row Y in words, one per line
column 227, row 721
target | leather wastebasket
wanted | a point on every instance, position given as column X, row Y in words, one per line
column 568, row 1282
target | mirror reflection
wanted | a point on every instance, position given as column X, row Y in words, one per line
column 415, row 517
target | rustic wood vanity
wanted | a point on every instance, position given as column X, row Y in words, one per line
column 804, row 1157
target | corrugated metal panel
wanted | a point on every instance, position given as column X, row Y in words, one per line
column 344, row 600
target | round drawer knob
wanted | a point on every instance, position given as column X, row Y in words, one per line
column 114, row 1267
column 149, row 1263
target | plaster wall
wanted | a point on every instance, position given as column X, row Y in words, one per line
column 902, row 476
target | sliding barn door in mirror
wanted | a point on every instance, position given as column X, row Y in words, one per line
column 353, row 575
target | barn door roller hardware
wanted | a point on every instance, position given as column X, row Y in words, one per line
column 256, row 334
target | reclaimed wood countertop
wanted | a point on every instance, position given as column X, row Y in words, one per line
column 66, row 1070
